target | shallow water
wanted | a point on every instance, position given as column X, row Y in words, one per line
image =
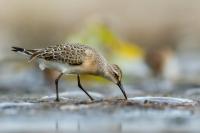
column 111, row 115
column 27, row 105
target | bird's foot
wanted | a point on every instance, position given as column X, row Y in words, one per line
column 57, row 100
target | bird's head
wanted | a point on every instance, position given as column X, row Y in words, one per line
column 114, row 73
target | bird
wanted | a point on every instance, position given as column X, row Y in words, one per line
column 74, row 58
column 162, row 62
column 155, row 60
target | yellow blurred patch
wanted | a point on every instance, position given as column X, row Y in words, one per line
column 100, row 34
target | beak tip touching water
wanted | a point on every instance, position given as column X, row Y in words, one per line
column 122, row 89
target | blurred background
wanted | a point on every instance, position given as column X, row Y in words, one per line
column 145, row 38
column 156, row 44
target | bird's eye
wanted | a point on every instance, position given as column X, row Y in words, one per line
column 116, row 75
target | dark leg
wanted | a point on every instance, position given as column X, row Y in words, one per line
column 56, row 82
column 80, row 86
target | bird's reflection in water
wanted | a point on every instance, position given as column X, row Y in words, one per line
column 57, row 126
column 82, row 126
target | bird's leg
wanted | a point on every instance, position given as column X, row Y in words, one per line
column 56, row 82
column 80, row 86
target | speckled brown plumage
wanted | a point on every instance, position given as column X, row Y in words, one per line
column 71, row 54
column 73, row 58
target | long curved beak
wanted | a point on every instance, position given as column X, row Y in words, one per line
column 122, row 89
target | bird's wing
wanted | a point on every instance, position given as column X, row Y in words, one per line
column 70, row 54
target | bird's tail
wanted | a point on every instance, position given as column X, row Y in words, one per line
column 22, row 50
column 33, row 53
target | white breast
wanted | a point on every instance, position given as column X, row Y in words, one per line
column 64, row 68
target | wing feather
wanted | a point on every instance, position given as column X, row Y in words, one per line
column 71, row 54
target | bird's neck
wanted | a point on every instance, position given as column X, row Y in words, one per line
column 105, row 71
